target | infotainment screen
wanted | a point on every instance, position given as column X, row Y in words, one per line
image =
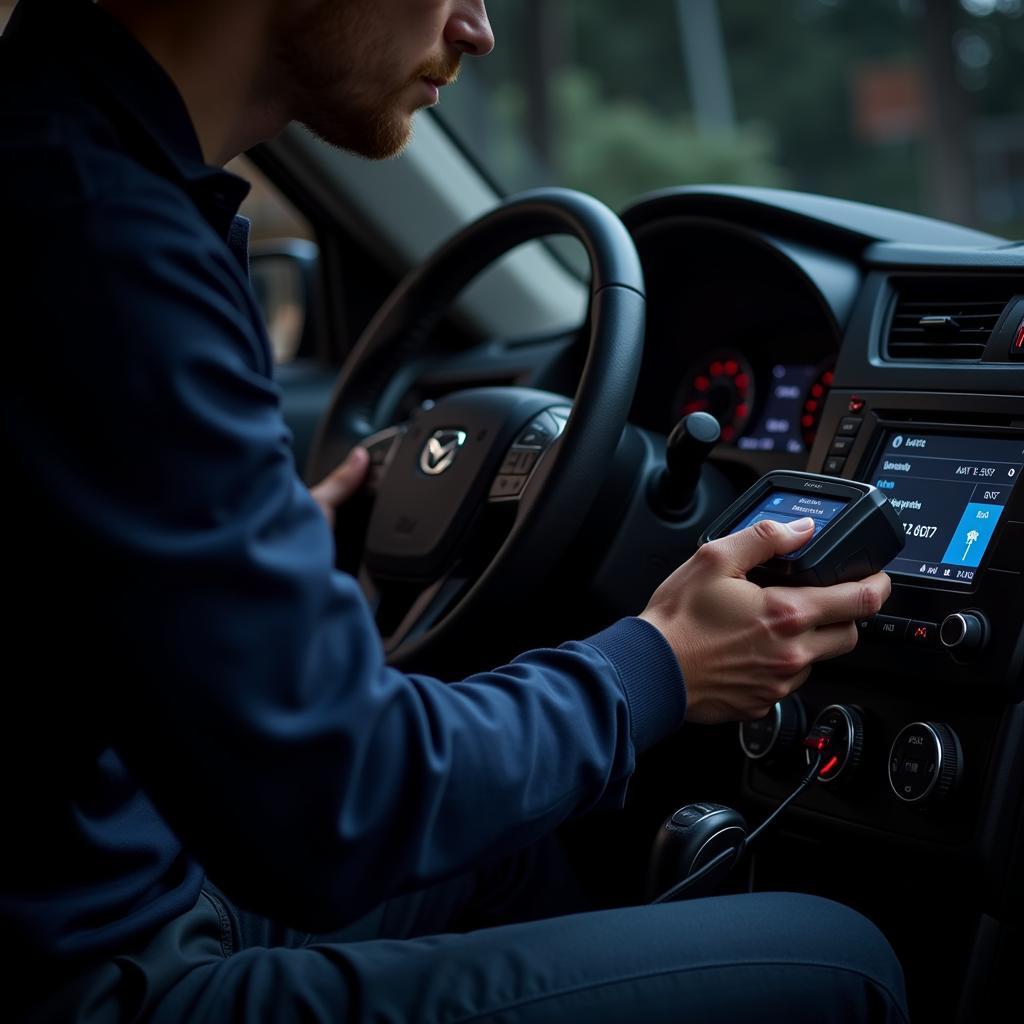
column 950, row 493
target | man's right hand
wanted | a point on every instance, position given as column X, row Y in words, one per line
column 743, row 647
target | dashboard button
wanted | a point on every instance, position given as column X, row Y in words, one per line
column 891, row 627
column 865, row 627
column 834, row 465
column 849, row 425
column 841, row 446
column 923, row 634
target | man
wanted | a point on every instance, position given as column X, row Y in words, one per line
column 206, row 689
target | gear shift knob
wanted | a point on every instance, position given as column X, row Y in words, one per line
column 689, row 840
column 688, row 446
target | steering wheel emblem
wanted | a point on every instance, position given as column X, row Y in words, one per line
column 440, row 451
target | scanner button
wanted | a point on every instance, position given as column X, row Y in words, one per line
column 923, row 634
column 891, row 627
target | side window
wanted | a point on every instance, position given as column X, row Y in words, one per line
column 285, row 258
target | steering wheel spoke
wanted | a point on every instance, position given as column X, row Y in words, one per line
column 404, row 611
column 381, row 447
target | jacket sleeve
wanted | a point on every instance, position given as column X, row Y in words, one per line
column 246, row 681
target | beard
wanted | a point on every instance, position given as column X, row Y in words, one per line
column 342, row 78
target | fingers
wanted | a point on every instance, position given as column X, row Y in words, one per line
column 344, row 481
column 831, row 641
column 740, row 552
column 802, row 608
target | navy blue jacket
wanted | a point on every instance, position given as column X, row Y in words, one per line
column 200, row 685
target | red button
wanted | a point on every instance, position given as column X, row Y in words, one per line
column 1018, row 342
column 857, row 404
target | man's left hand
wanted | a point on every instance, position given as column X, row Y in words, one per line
column 337, row 488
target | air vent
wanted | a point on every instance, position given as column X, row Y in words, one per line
column 944, row 319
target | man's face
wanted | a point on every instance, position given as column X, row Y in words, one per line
column 355, row 71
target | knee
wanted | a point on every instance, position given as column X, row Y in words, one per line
column 840, row 947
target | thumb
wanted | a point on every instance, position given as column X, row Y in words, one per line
column 344, row 481
column 757, row 543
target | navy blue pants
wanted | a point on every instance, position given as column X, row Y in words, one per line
column 762, row 958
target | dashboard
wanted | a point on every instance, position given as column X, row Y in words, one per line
column 870, row 345
column 877, row 347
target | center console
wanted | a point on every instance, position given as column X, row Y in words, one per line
column 933, row 671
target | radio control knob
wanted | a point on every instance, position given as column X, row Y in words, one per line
column 925, row 762
column 963, row 632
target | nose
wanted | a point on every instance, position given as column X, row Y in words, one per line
column 469, row 30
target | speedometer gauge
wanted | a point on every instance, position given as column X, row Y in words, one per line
column 723, row 385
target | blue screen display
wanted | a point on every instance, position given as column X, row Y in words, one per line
column 950, row 493
column 788, row 507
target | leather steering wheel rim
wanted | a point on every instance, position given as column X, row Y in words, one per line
column 361, row 405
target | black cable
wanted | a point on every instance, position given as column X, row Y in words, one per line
column 804, row 783
column 671, row 894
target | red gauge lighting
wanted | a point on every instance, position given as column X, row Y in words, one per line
column 814, row 404
column 722, row 384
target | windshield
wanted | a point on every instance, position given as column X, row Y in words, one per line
column 915, row 104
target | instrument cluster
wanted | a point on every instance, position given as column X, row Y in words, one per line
column 773, row 407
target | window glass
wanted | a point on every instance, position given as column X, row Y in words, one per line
column 916, row 104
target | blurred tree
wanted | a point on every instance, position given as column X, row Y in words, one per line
column 797, row 70
column 619, row 148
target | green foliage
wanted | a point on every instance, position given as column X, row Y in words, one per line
column 619, row 148
column 619, row 103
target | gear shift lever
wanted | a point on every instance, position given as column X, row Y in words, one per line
column 688, row 842
column 689, row 445
column 696, row 847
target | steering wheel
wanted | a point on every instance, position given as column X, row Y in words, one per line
column 477, row 495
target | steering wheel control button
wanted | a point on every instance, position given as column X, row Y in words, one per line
column 776, row 734
column 923, row 634
column 848, row 426
column 925, row 762
column 891, row 628
column 508, row 486
column 843, row 726
column 539, row 433
column 963, row 632
column 519, row 460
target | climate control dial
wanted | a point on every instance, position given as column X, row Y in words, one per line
column 925, row 762
column 842, row 727
column 777, row 733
